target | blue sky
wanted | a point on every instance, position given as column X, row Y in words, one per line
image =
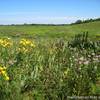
column 47, row 11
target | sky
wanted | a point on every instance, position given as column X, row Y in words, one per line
column 47, row 11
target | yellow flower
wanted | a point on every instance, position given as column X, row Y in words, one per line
column 4, row 68
column 26, row 45
column 6, row 42
column 6, row 78
column 26, row 42
column 4, row 73
column 1, row 68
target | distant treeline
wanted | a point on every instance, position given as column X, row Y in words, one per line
column 77, row 22
column 85, row 21
column 25, row 24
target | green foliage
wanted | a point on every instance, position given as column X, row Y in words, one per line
column 52, row 70
column 86, row 21
column 39, row 32
column 55, row 68
column 82, row 41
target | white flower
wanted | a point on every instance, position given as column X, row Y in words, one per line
column 93, row 54
column 82, row 58
column 97, row 56
column 76, row 59
column 95, row 67
column 89, row 56
column 71, row 64
column 80, row 68
column 95, row 59
column 80, row 62
column 70, row 58
column 73, row 56
column 86, row 62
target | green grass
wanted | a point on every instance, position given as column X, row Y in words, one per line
column 52, row 69
column 50, row 31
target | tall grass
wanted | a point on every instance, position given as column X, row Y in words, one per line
column 50, row 70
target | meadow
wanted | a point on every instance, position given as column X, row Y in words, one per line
column 49, row 62
column 37, row 31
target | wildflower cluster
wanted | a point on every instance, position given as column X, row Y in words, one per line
column 26, row 45
column 54, row 67
column 4, row 73
column 6, row 42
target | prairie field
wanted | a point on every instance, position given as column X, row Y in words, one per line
column 45, row 31
column 40, row 62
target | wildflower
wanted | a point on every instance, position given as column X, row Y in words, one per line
column 71, row 64
column 1, row 69
column 79, row 68
column 76, row 59
column 86, row 62
column 93, row 54
column 82, row 58
column 6, row 78
column 80, row 62
column 61, row 80
column 4, row 73
column 96, row 59
column 89, row 56
column 6, row 42
column 70, row 58
column 97, row 56
column 95, row 67
column 26, row 45
column 26, row 42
